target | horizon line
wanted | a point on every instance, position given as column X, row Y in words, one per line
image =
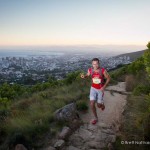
column 75, row 45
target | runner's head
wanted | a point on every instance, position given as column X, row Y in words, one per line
column 95, row 63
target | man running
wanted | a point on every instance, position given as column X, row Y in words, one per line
column 98, row 86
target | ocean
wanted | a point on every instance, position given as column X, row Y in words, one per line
column 28, row 53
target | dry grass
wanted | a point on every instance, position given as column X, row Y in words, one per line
column 130, row 82
column 33, row 116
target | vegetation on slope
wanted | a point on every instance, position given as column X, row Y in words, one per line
column 27, row 113
column 136, row 122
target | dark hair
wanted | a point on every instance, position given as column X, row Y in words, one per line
column 95, row 59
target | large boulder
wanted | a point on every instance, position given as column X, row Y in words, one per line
column 66, row 113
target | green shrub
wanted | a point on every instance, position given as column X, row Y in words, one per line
column 71, row 77
column 82, row 105
column 146, row 57
column 136, row 66
column 141, row 89
column 148, row 45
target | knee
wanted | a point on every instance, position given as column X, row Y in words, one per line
column 92, row 104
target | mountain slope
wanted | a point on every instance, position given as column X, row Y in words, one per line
column 133, row 55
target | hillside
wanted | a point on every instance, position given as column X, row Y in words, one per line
column 126, row 117
column 135, row 123
column 27, row 114
column 133, row 55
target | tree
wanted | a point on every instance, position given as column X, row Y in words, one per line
column 6, row 91
column 146, row 57
column 136, row 66
column 148, row 45
column 71, row 77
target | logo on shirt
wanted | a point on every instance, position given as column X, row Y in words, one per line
column 96, row 80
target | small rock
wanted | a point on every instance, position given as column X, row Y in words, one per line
column 93, row 136
column 76, row 140
column 59, row 144
column 96, row 145
column 72, row 148
column 100, row 136
column 65, row 133
column 92, row 127
column 108, row 131
column 75, row 123
column 110, row 146
column 111, row 138
column 50, row 148
column 20, row 147
column 84, row 134
column 84, row 125
column 103, row 125
column 117, row 128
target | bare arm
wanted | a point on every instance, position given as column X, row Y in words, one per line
column 85, row 76
column 107, row 76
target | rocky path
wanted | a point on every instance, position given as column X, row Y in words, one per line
column 103, row 134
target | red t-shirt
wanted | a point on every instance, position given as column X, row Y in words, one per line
column 97, row 75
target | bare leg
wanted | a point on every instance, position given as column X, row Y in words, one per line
column 92, row 103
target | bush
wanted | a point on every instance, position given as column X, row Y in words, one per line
column 148, row 45
column 71, row 77
column 141, row 89
column 136, row 66
column 6, row 91
column 82, row 105
column 119, row 74
column 32, row 115
column 146, row 57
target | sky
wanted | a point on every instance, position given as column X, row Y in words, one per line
column 74, row 22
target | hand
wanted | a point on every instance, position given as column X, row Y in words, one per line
column 82, row 75
column 102, row 89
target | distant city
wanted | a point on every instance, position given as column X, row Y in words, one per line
column 38, row 67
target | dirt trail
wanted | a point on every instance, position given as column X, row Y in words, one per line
column 103, row 134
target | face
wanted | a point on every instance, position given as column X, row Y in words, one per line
column 95, row 64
